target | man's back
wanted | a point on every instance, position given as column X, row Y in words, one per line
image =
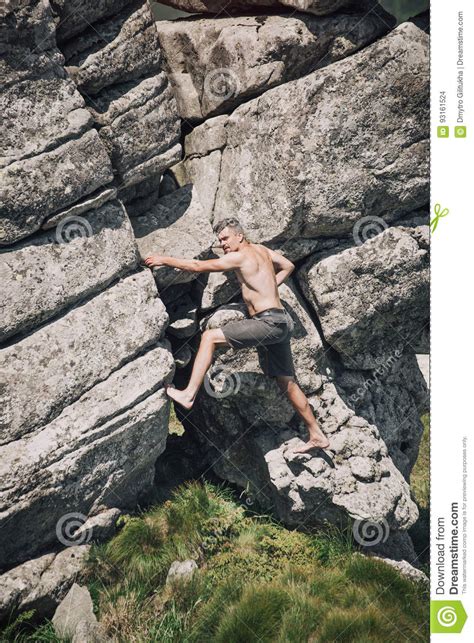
column 257, row 277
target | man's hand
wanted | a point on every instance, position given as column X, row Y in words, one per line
column 153, row 261
column 283, row 266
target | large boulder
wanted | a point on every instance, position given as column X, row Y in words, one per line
column 41, row 583
column 36, row 187
column 99, row 452
column 117, row 65
column 56, row 268
column 139, row 126
column 337, row 131
column 251, row 431
column 74, row 16
column 97, row 338
column 84, row 415
column 51, row 158
column 216, row 64
column 175, row 225
column 117, row 50
column 372, row 299
column 393, row 397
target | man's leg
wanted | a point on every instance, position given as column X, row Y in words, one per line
column 209, row 340
column 301, row 405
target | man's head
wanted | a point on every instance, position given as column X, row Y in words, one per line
column 230, row 233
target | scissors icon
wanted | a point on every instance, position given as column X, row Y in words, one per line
column 438, row 215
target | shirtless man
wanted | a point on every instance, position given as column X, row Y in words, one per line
column 260, row 271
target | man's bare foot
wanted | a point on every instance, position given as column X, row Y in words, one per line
column 316, row 443
column 179, row 396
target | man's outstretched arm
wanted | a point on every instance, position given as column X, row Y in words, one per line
column 230, row 261
column 282, row 266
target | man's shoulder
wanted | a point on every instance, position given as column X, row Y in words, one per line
column 258, row 247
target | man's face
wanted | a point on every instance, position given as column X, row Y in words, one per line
column 229, row 240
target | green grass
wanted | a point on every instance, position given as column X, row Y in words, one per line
column 420, row 486
column 420, row 475
column 23, row 629
column 174, row 427
column 257, row 581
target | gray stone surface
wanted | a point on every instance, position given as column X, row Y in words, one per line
column 122, row 48
column 76, row 607
column 39, row 115
column 77, row 15
column 50, row 157
column 90, row 632
column 97, row 337
column 176, row 225
column 27, row 35
column 93, row 201
column 84, row 414
column 117, row 65
column 406, row 569
column 393, row 397
column 139, row 126
column 181, row 570
column 279, row 174
column 36, row 187
column 372, row 299
column 182, row 356
column 41, row 583
column 54, row 269
column 109, row 439
column 243, row 415
column 217, row 289
column 102, row 527
column 183, row 318
column 215, row 64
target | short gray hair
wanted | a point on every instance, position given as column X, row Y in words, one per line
column 230, row 222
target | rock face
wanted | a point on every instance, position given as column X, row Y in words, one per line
column 41, row 583
column 117, row 64
column 51, row 158
column 50, row 271
column 175, row 221
column 214, row 65
column 252, row 432
column 393, row 397
column 372, row 300
column 326, row 147
column 84, row 360
column 294, row 173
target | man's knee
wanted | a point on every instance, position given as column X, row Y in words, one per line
column 212, row 336
column 284, row 382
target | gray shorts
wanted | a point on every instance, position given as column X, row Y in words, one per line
column 270, row 332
